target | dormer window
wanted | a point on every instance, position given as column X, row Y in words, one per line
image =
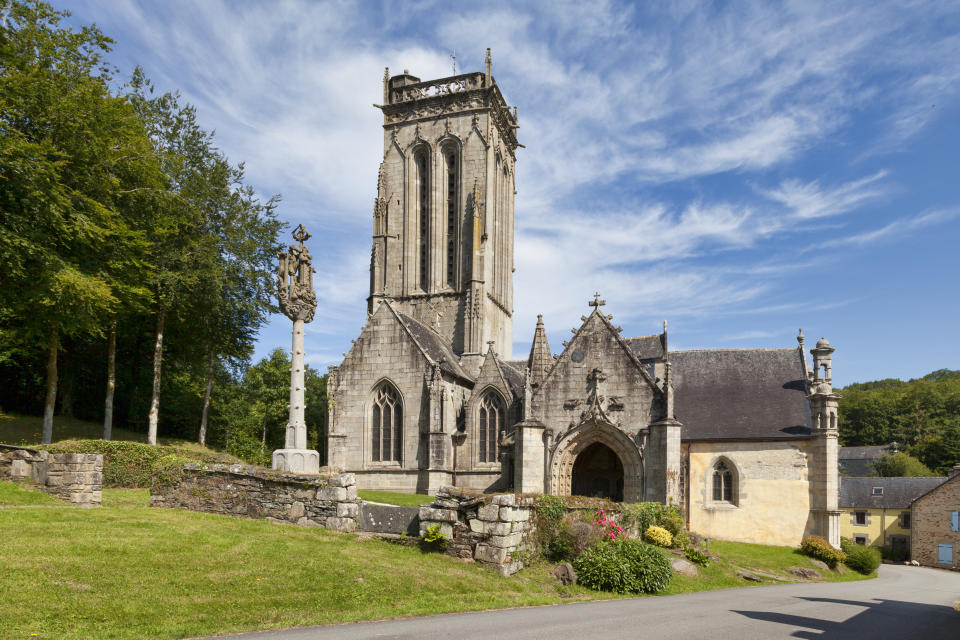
column 878, row 491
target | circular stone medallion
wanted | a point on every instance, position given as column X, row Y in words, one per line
column 577, row 356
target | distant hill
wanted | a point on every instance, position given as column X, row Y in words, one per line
column 921, row 415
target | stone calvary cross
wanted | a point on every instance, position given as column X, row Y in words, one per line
column 298, row 302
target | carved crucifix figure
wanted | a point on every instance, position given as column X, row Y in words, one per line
column 298, row 302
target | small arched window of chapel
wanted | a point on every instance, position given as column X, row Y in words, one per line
column 723, row 483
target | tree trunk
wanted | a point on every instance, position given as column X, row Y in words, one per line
column 111, row 381
column 65, row 384
column 51, row 399
column 263, row 439
column 155, row 396
column 206, row 400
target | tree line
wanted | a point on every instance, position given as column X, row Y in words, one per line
column 136, row 260
column 922, row 416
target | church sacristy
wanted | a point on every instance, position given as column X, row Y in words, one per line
column 744, row 441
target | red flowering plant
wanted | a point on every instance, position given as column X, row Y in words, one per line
column 609, row 529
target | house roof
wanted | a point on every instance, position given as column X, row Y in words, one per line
column 754, row 394
column 513, row 373
column 953, row 478
column 898, row 493
column 864, row 453
column 435, row 347
column 646, row 347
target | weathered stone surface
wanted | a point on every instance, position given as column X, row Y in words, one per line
column 431, row 514
column 746, row 575
column 488, row 512
column 490, row 554
column 684, row 567
column 506, row 500
column 806, row 574
column 509, row 541
column 296, row 510
column 390, row 519
column 514, row 514
column 565, row 573
column 820, row 564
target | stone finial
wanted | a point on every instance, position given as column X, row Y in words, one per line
column 386, row 85
column 540, row 360
column 597, row 302
column 800, row 337
column 488, row 61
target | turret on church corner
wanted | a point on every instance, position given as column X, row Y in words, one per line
column 443, row 216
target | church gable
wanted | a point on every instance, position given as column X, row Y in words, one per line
column 596, row 361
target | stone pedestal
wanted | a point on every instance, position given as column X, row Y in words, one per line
column 296, row 460
column 662, row 462
column 528, row 457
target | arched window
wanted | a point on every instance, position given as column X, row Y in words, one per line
column 723, row 490
column 491, row 421
column 387, row 425
column 452, row 208
column 422, row 162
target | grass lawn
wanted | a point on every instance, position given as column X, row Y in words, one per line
column 128, row 571
column 400, row 499
column 14, row 493
column 24, row 431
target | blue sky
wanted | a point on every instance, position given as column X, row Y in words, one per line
column 740, row 170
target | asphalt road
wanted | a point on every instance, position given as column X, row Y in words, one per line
column 902, row 603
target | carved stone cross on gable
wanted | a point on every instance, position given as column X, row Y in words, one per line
column 597, row 302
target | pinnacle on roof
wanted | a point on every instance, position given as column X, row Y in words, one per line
column 540, row 359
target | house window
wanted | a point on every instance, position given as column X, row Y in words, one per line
column 945, row 553
column 491, row 421
column 387, row 424
column 878, row 491
column 722, row 482
column 905, row 520
column 955, row 521
column 860, row 517
column 861, row 540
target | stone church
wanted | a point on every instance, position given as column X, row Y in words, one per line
column 744, row 441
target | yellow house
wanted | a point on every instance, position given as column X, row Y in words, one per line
column 876, row 511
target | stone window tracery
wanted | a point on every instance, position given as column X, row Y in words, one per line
column 422, row 162
column 723, row 483
column 490, row 422
column 387, row 424
column 452, row 209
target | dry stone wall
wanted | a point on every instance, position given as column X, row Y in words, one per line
column 76, row 478
column 490, row 529
column 238, row 490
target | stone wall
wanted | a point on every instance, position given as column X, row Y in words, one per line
column 239, row 490
column 931, row 525
column 490, row 529
column 76, row 478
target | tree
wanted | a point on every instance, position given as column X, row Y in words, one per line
column 901, row 465
column 72, row 156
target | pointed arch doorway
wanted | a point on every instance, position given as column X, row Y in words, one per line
column 598, row 473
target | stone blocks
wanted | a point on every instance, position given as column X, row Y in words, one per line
column 304, row 461
column 76, row 478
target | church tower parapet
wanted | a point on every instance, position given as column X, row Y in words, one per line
column 444, row 211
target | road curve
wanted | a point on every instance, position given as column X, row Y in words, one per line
column 902, row 603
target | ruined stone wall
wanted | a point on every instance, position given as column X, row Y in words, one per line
column 239, row 490
column 772, row 498
column 931, row 525
column 76, row 478
column 489, row 529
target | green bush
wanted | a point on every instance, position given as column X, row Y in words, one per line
column 696, row 556
column 131, row 464
column 817, row 547
column 658, row 536
column 862, row 559
column 435, row 538
column 643, row 515
column 623, row 566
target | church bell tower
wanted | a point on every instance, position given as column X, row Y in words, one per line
column 443, row 216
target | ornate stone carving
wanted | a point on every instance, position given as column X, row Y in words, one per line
column 295, row 279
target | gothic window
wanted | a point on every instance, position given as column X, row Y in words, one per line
column 491, row 421
column 422, row 161
column 722, row 483
column 387, row 424
column 452, row 217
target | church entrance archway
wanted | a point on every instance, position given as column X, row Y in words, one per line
column 598, row 473
column 596, row 466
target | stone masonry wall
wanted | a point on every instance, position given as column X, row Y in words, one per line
column 237, row 490
column 76, row 478
column 931, row 526
column 490, row 529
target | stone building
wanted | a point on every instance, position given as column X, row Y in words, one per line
column 935, row 525
column 877, row 510
column 745, row 441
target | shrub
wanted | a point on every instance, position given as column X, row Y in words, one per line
column 623, row 566
column 817, row 547
column 658, row 536
column 643, row 515
column 696, row 556
column 550, row 508
column 435, row 538
column 863, row 559
column 607, row 527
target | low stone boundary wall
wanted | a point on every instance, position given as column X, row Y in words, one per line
column 239, row 490
column 383, row 518
column 490, row 529
column 76, row 478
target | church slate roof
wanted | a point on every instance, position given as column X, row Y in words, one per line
column 513, row 375
column 646, row 347
column 898, row 493
column 740, row 394
column 435, row 347
column 865, row 453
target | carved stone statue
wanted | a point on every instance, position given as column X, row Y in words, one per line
column 298, row 302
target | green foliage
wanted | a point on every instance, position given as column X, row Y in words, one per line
column 819, row 548
column 900, row 465
column 643, row 515
column 435, row 537
column 550, row 508
column 697, row 556
column 133, row 464
column 862, row 559
column 658, row 536
column 623, row 566
column 167, row 471
column 922, row 415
